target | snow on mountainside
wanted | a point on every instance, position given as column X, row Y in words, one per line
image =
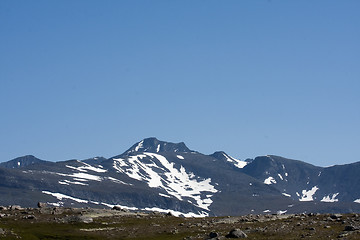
column 225, row 157
column 163, row 176
column 305, row 182
column 158, row 172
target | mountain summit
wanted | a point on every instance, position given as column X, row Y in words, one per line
column 21, row 162
column 156, row 146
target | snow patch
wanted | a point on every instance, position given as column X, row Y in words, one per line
column 266, row 211
column 280, row 176
column 164, row 195
column 180, row 157
column 67, row 182
column 269, row 180
column 177, row 213
column 357, row 200
column 86, row 176
column 280, row 212
column 308, row 195
column 87, row 167
column 61, row 196
column 238, row 163
column 286, row 195
column 64, row 183
column 118, row 181
column 330, row 199
column 140, row 145
column 158, row 148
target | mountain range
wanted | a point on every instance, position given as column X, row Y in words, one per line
column 155, row 175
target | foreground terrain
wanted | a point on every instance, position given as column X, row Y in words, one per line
column 79, row 223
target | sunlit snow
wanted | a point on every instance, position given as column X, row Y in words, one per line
column 180, row 157
column 81, row 176
column 176, row 213
column 67, row 182
column 330, row 199
column 238, row 163
column 139, row 146
column 269, row 180
column 286, row 195
column 87, row 167
column 61, row 196
column 308, row 195
column 164, row 195
column 357, row 200
column 158, row 172
column 280, row 212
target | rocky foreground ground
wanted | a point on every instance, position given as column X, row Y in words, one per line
column 79, row 223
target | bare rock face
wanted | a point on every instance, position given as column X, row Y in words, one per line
column 236, row 233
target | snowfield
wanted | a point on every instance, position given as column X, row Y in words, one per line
column 308, row 195
column 158, row 172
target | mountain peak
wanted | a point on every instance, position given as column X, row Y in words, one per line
column 21, row 162
column 154, row 145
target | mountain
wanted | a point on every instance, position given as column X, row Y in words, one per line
column 21, row 162
column 154, row 175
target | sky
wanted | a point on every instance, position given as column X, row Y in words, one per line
column 86, row 78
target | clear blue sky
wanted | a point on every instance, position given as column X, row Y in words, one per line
column 80, row 79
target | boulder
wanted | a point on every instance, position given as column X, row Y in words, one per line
column 350, row 228
column 117, row 208
column 15, row 207
column 42, row 205
column 236, row 233
column 335, row 216
column 214, row 236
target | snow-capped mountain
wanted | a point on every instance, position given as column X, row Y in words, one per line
column 155, row 175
